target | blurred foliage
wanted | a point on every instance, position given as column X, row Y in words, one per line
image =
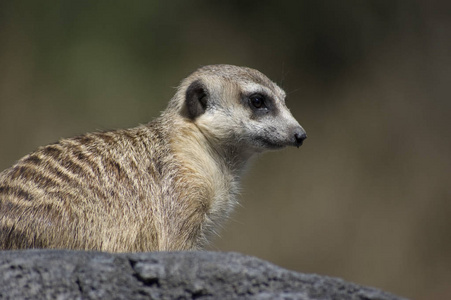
column 367, row 197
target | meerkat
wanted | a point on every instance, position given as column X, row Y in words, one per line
column 166, row 185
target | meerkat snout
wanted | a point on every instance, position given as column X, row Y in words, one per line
column 300, row 136
column 165, row 185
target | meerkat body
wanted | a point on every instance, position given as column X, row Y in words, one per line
column 166, row 185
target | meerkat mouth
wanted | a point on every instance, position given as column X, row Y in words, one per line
column 270, row 144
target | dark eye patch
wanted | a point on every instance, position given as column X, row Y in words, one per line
column 261, row 103
column 257, row 101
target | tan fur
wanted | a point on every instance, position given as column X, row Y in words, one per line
column 166, row 185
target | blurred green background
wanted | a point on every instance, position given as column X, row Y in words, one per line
column 367, row 198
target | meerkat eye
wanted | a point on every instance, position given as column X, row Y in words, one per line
column 257, row 101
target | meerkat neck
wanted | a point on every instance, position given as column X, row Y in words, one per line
column 194, row 144
column 213, row 180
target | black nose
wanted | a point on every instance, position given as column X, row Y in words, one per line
column 300, row 137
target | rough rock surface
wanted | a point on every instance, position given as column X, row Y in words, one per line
column 60, row 274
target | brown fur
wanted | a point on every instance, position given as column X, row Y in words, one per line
column 165, row 185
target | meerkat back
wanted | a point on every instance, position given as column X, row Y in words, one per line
column 87, row 192
column 166, row 185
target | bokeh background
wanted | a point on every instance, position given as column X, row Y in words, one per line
column 368, row 196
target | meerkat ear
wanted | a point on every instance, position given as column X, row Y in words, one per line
column 196, row 99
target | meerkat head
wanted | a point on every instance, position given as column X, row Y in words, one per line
column 238, row 106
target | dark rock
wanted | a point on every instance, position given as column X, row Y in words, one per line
column 60, row 274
